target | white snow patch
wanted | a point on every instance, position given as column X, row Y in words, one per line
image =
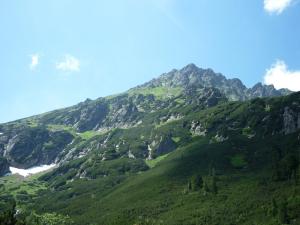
column 30, row 171
column 150, row 153
column 1, row 133
column 130, row 155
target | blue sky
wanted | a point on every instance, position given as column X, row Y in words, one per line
column 55, row 53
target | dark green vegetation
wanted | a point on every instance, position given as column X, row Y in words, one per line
column 172, row 151
column 4, row 166
column 10, row 215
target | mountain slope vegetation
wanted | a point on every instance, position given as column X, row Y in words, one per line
column 190, row 147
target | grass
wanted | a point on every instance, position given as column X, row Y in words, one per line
column 153, row 162
column 88, row 134
column 15, row 184
column 176, row 139
column 116, row 190
column 244, row 196
column 58, row 127
column 159, row 92
column 238, row 161
column 32, row 123
column 84, row 135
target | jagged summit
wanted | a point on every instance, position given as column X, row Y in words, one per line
column 233, row 89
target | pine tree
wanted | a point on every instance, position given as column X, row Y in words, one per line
column 210, row 168
column 197, row 182
column 8, row 216
column 274, row 207
column 282, row 212
column 189, row 186
column 213, row 172
column 214, row 187
column 205, row 187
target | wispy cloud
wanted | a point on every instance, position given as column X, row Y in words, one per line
column 68, row 64
column 34, row 61
column 276, row 6
column 281, row 77
column 166, row 7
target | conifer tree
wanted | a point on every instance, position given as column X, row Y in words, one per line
column 274, row 207
column 189, row 186
column 197, row 182
column 205, row 187
column 214, row 187
column 282, row 212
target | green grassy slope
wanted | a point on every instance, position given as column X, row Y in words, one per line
column 160, row 195
column 249, row 177
column 246, row 157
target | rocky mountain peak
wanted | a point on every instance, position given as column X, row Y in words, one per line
column 262, row 90
column 188, row 69
column 233, row 89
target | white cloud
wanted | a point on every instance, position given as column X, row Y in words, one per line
column 34, row 61
column 68, row 64
column 276, row 6
column 281, row 77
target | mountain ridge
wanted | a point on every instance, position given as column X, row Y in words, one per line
column 193, row 75
column 258, row 90
column 171, row 91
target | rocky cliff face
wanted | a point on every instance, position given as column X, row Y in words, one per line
column 25, row 147
column 291, row 120
column 128, row 109
column 260, row 90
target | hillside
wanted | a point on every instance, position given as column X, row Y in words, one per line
column 190, row 147
column 49, row 138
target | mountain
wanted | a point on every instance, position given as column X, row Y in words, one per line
column 49, row 137
column 190, row 147
column 233, row 89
